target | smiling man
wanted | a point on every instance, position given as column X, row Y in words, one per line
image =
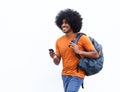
column 70, row 22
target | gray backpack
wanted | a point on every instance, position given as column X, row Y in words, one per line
column 89, row 65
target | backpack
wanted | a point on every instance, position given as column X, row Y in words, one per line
column 89, row 65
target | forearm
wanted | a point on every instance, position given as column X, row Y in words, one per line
column 56, row 60
column 90, row 54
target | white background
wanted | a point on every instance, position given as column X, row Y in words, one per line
column 27, row 31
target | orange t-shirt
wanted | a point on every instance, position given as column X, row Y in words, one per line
column 69, row 59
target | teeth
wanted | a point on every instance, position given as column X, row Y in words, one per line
column 64, row 28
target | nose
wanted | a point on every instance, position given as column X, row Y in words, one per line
column 63, row 24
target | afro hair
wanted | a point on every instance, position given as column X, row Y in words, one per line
column 72, row 17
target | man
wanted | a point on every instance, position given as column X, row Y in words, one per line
column 70, row 22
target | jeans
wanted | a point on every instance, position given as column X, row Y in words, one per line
column 71, row 83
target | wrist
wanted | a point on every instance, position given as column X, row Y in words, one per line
column 54, row 57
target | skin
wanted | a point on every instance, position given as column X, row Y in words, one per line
column 68, row 32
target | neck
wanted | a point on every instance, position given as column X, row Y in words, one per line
column 70, row 33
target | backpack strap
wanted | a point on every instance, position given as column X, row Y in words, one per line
column 76, row 41
column 83, row 85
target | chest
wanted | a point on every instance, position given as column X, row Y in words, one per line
column 63, row 45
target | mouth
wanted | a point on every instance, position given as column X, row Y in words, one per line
column 64, row 28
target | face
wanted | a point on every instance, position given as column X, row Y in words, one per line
column 65, row 26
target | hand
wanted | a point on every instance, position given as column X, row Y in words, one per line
column 74, row 47
column 52, row 54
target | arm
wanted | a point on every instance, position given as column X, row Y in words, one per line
column 56, row 59
column 90, row 54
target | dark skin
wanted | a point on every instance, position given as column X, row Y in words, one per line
column 68, row 32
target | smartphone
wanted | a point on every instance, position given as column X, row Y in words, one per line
column 51, row 50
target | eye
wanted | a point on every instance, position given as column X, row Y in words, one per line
column 64, row 21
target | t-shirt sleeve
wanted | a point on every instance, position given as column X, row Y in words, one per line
column 86, row 43
column 57, row 48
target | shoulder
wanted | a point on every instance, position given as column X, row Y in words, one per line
column 84, row 38
column 61, row 38
column 86, row 42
